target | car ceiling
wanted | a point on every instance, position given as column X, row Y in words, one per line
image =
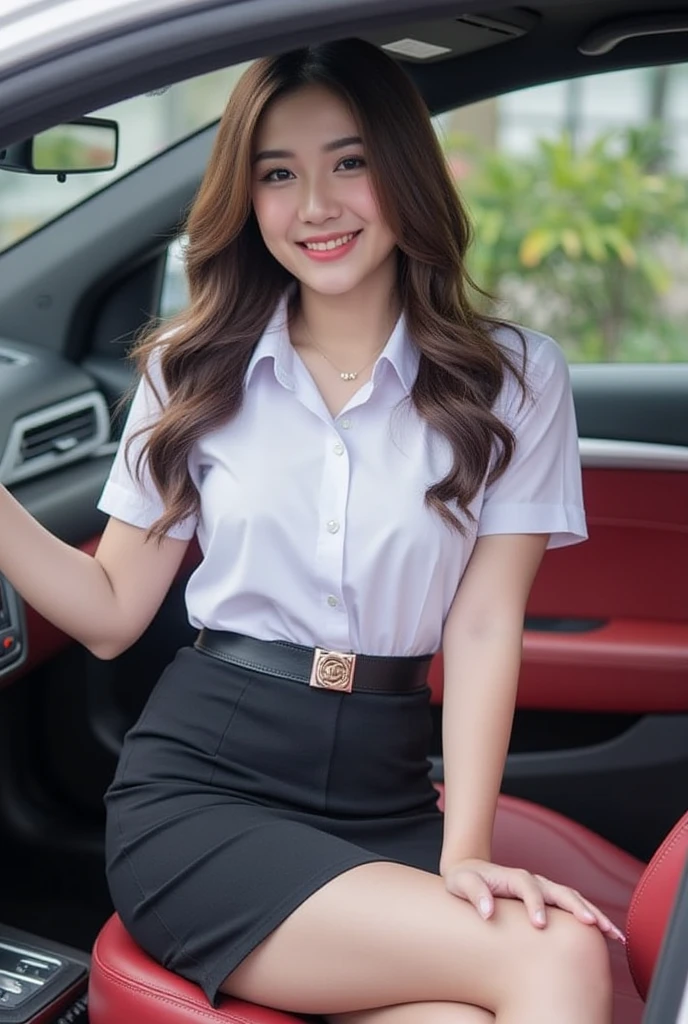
column 494, row 49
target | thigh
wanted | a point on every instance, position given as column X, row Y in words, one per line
column 385, row 934
column 412, row 1013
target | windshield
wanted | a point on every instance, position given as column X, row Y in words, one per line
column 148, row 125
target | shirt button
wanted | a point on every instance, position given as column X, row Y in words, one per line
column 345, row 424
column 338, row 449
column 333, row 526
column 332, row 601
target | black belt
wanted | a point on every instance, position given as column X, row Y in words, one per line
column 326, row 670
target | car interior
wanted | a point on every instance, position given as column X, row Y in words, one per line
column 595, row 787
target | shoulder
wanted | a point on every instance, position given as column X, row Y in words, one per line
column 544, row 357
column 542, row 361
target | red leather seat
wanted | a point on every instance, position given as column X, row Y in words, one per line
column 127, row 985
column 652, row 902
column 546, row 843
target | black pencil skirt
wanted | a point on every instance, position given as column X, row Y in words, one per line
column 238, row 795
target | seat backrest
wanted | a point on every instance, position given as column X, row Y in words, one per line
column 650, row 908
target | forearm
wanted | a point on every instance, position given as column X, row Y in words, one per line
column 64, row 585
column 481, row 677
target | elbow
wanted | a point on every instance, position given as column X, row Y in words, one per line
column 108, row 648
column 108, row 644
column 104, row 651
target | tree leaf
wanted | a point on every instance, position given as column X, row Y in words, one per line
column 621, row 245
column 593, row 242
column 571, row 243
column 536, row 245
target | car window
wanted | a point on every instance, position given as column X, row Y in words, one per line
column 578, row 192
column 149, row 124
column 175, row 292
column 579, row 197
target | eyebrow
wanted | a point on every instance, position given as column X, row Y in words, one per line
column 329, row 147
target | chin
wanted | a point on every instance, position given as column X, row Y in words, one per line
column 332, row 284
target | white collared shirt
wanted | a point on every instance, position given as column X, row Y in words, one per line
column 314, row 529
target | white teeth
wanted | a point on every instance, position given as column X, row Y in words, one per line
column 334, row 243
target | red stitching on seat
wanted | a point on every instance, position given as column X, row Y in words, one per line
column 650, row 872
column 149, row 991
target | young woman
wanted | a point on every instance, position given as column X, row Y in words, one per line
column 373, row 471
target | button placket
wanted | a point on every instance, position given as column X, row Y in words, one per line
column 334, row 495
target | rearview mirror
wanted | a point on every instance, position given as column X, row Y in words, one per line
column 83, row 146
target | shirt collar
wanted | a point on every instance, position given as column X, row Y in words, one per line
column 400, row 351
column 274, row 344
column 401, row 354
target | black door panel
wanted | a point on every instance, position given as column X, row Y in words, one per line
column 632, row 402
column 65, row 501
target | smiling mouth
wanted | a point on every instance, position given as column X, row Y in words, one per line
column 331, row 243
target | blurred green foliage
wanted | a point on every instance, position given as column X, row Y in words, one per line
column 590, row 245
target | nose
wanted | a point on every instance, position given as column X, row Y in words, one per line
column 317, row 201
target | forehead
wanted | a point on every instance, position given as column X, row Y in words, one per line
column 311, row 114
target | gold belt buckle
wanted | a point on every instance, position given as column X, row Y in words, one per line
column 333, row 670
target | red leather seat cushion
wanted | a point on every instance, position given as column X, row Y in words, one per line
column 126, row 985
column 546, row 843
column 650, row 907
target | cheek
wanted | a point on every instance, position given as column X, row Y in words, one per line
column 273, row 213
column 364, row 203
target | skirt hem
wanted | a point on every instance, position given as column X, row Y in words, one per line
column 224, row 965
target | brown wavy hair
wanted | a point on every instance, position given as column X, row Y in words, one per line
column 235, row 283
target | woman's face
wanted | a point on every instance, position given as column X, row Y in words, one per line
column 313, row 197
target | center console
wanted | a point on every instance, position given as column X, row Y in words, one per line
column 41, row 982
column 12, row 629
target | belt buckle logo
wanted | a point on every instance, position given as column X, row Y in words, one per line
column 333, row 670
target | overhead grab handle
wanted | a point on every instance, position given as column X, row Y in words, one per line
column 605, row 37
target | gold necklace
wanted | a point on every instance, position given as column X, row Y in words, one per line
column 344, row 374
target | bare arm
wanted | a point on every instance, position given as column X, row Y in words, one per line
column 104, row 601
column 482, row 655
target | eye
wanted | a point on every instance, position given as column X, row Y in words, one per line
column 351, row 163
column 277, row 174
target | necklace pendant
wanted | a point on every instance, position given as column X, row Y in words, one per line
column 348, row 376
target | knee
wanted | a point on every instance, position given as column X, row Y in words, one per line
column 570, row 948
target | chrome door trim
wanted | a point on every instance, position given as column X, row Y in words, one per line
column 683, row 1011
column 599, row 453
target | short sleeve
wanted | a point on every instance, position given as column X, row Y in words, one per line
column 541, row 490
column 124, row 496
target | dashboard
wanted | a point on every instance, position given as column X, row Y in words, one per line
column 53, row 418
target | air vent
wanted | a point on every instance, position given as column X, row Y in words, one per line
column 55, row 436
column 10, row 357
column 59, row 436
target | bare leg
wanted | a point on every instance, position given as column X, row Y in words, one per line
column 417, row 1013
column 385, row 934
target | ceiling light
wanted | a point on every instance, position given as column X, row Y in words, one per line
column 416, row 48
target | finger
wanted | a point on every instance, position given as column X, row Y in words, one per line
column 604, row 923
column 528, row 888
column 583, row 910
column 469, row 885
column 565, row 898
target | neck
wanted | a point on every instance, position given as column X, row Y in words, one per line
column 350, row 328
